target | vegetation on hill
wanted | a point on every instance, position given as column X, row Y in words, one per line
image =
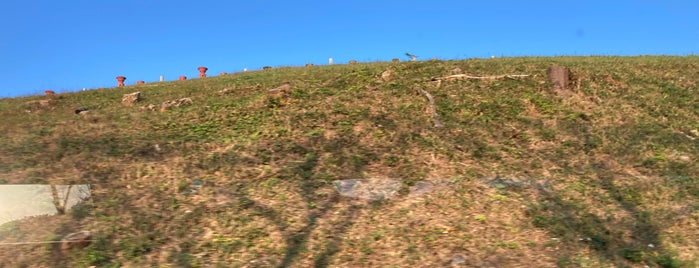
column 520, row 175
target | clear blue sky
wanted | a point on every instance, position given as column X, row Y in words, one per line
column 74, row 44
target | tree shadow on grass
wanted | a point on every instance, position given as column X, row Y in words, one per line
column 296, row 240
column 317, row 207
column 632, row 239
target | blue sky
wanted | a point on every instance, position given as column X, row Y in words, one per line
column 69, row 45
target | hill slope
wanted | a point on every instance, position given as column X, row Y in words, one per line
column 345, row 167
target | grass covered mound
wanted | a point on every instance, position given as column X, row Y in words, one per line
column 343, row 165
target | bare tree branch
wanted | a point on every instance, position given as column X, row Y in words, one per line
column 56, row 201
column 60, row 208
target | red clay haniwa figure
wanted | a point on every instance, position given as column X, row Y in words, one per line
column 202, row 71
column 120, row 79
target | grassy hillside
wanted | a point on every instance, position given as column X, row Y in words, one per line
column 518, row 176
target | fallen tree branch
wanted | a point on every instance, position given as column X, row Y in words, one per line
column 433, row 109
column 466, row 76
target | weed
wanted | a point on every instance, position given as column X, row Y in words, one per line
column 98, row 253
column 667, row 261
column 632, row 254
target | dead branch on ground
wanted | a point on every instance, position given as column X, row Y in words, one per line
column 467, row 76
column 433, row 109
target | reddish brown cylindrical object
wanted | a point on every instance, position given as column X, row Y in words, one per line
column 49, row 92
column 202, row 71
column 559, row 76
column 182, row 77
column 140, row 82
column 121, row 80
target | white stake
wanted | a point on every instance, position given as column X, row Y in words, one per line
column 330, row 61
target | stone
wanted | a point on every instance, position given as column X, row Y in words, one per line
column 694, row 132
column 81, row 110
column 353, row 62
column 457, row 71
column 150, row 107
column 679, row 156
column 395, row 60
column 76, row 240
column 165, row 106
column 421, row 188
column 283, row 90
column 175, row 103
column 267, row 68
column 368, row 189
column 386, row 75
column 309, row 64
column 47, row 103
column 131, row 98
column 225, row 91
column 458, row 260
column 513, row 183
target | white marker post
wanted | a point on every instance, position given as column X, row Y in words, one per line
column 330, row 61
column 162, row 78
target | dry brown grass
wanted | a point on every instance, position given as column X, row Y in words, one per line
column 521, row 177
